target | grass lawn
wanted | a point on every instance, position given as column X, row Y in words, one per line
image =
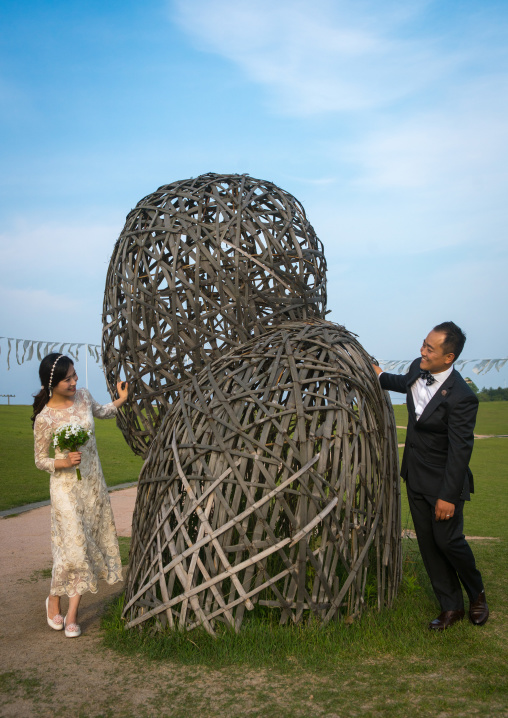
column 386, row 664
column 492, row 418
column 22, row 483
column 489, row 466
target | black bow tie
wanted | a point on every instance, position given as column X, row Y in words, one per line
column 428, row 376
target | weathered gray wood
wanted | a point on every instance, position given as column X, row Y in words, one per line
column 201, row 266
column 272, row 479
column 272, row 475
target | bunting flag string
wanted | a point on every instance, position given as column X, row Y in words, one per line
column 480, row 366
column 27, row 349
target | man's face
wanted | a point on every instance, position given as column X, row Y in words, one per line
column 433, row 358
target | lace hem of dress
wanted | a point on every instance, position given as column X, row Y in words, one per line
column 71, row 591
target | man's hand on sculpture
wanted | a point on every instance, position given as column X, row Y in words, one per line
column 444, row 510
column 377, row 369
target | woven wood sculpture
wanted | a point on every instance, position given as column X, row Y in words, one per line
column 201, row 266
column 273, row 480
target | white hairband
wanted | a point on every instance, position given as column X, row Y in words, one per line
column 50, row 392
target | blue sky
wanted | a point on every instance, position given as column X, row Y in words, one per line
column 386, row 120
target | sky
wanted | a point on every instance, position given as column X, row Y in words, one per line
column 386, row 120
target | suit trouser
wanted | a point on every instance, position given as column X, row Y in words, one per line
column 446, row 554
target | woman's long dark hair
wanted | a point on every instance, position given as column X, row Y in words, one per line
column 59, row 373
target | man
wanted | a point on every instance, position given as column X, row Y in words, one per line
column 440, row 434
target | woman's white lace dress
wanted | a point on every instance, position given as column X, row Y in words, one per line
column 83, row 536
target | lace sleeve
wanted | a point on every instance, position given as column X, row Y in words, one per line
column 102, row 411
column 42, row 439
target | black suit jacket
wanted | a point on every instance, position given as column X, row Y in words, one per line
column 439, row 445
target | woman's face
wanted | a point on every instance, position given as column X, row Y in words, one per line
column 67, row 387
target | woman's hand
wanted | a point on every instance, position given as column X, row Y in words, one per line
column 122, row 388
column 72, row 459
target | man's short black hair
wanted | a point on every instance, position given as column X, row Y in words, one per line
column 454, row 338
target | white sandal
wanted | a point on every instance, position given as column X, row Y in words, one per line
column 57, row 622
column 72, row 630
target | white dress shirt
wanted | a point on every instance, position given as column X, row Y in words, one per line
column 422, row 393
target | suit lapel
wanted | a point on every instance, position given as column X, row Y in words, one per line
column 412, row 377
column 440, row 395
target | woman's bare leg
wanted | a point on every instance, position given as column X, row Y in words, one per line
column 53, row 606
column 72, row 613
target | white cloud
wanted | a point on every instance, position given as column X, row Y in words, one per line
column 36, row 303
column 56, row 251
column 50, row 314
column 322, row 56
column 393, row 316
column 460, row 148
column 53, row 288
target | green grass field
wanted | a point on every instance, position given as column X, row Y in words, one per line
column 489, row 466
column 386, row 664
column 492, row 417
column 22, row 483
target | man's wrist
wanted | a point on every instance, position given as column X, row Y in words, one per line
column 448, row 501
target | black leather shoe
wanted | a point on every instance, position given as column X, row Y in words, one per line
column 446, row 619
column 478, row 610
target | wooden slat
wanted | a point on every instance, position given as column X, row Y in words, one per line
column 273, row 479
column 201, row 266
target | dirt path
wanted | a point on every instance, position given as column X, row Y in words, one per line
column 42, row 673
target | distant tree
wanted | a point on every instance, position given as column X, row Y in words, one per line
column 491, row 394
column 471, row 384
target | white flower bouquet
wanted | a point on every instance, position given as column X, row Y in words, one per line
column 70, row 437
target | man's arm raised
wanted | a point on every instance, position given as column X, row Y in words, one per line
column 391, row 382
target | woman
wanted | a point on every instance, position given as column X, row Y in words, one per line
column 83, row 536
